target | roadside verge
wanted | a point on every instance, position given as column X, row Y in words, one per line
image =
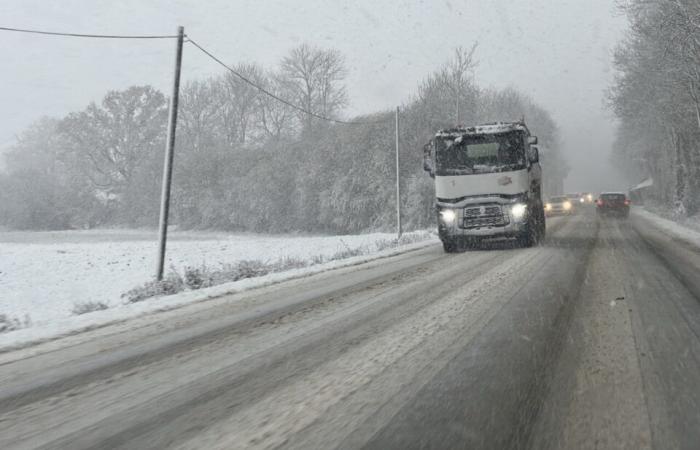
column 76, row 324
column 669, row 228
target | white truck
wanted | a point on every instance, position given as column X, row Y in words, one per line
column 488, row 184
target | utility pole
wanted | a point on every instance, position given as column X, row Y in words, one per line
column 459, row 116
column 398, row 180
column 169, row 152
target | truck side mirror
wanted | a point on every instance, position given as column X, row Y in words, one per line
column 532, row 140
column 428, row 160
column 534, row 155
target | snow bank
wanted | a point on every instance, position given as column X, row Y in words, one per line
column 664, row 212
column 670, row 227
column 46, row 280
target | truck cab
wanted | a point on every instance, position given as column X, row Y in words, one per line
column 488, row 184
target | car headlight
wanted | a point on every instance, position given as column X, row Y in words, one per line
column 590, row 198
column 518, row 211
column 547, row 206
column 567, row 205
column 448, row 216
column 581, row 200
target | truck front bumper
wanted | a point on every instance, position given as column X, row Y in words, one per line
column 482, row 218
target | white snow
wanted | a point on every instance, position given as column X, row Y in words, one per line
column 669, row 227
column 44, row 275
column 646, row 183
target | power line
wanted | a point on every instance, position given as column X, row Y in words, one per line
column 276, row 97
column 206, row 52
column 96, row 36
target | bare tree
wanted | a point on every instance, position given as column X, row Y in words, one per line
column 458, row 75
column 240, row 100
column 200, row 116
column 113, row 139
column 276, row 119
column 452, row 84
column 314, row 76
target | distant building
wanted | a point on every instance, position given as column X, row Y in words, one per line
column 641, row 191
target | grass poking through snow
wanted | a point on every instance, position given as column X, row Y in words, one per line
column 8, row 323
column 205, row 276
column 88, row 307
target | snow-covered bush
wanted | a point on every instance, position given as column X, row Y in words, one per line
column 197, row 277
column 204, row 276
column 88, row 307
column 8, row 323
column 171, row 284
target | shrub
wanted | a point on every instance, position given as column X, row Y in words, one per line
column 247, row 269
column 8, row 323
column 88, row 307
column 205, row 276
column 318, row 259
column 348, row 253
column 197, row 278
column 171, row 284
column 290, row 263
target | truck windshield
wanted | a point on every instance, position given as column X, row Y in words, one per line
column 480, row 154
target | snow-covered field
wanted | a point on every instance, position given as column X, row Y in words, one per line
column 43, row 275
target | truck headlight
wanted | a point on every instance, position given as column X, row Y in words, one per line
column 518, row 211
column 567, row 205
column 448, row 216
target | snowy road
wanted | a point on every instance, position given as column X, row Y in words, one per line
column 589, row 341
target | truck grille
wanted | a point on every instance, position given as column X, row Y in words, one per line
column 484, row 216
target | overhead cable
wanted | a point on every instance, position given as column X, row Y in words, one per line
column 95, row 36
column 278, row 98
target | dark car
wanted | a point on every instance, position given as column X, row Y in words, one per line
column 613, row 203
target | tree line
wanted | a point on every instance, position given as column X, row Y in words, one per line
column 246, row 162
column 657, row 98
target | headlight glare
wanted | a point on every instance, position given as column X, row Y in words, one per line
column 518, row 211
column 448, row 216
column 567, row 205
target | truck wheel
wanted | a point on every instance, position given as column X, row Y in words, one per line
column 542, row 228
column 529, row 236
column 449, row 246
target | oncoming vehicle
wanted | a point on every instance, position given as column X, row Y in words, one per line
column 576, row 199
column 487, row 184
column 613, row 204
column 558, row 206
column 587, row 198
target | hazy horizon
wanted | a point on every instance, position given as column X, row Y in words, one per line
column 559, row 53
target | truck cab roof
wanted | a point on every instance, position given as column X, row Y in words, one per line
column 487, row 128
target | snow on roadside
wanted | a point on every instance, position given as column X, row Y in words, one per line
column 692, row 222
column 668, row 226
column 46, row 280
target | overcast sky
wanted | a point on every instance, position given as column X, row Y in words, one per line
column 557, row 51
